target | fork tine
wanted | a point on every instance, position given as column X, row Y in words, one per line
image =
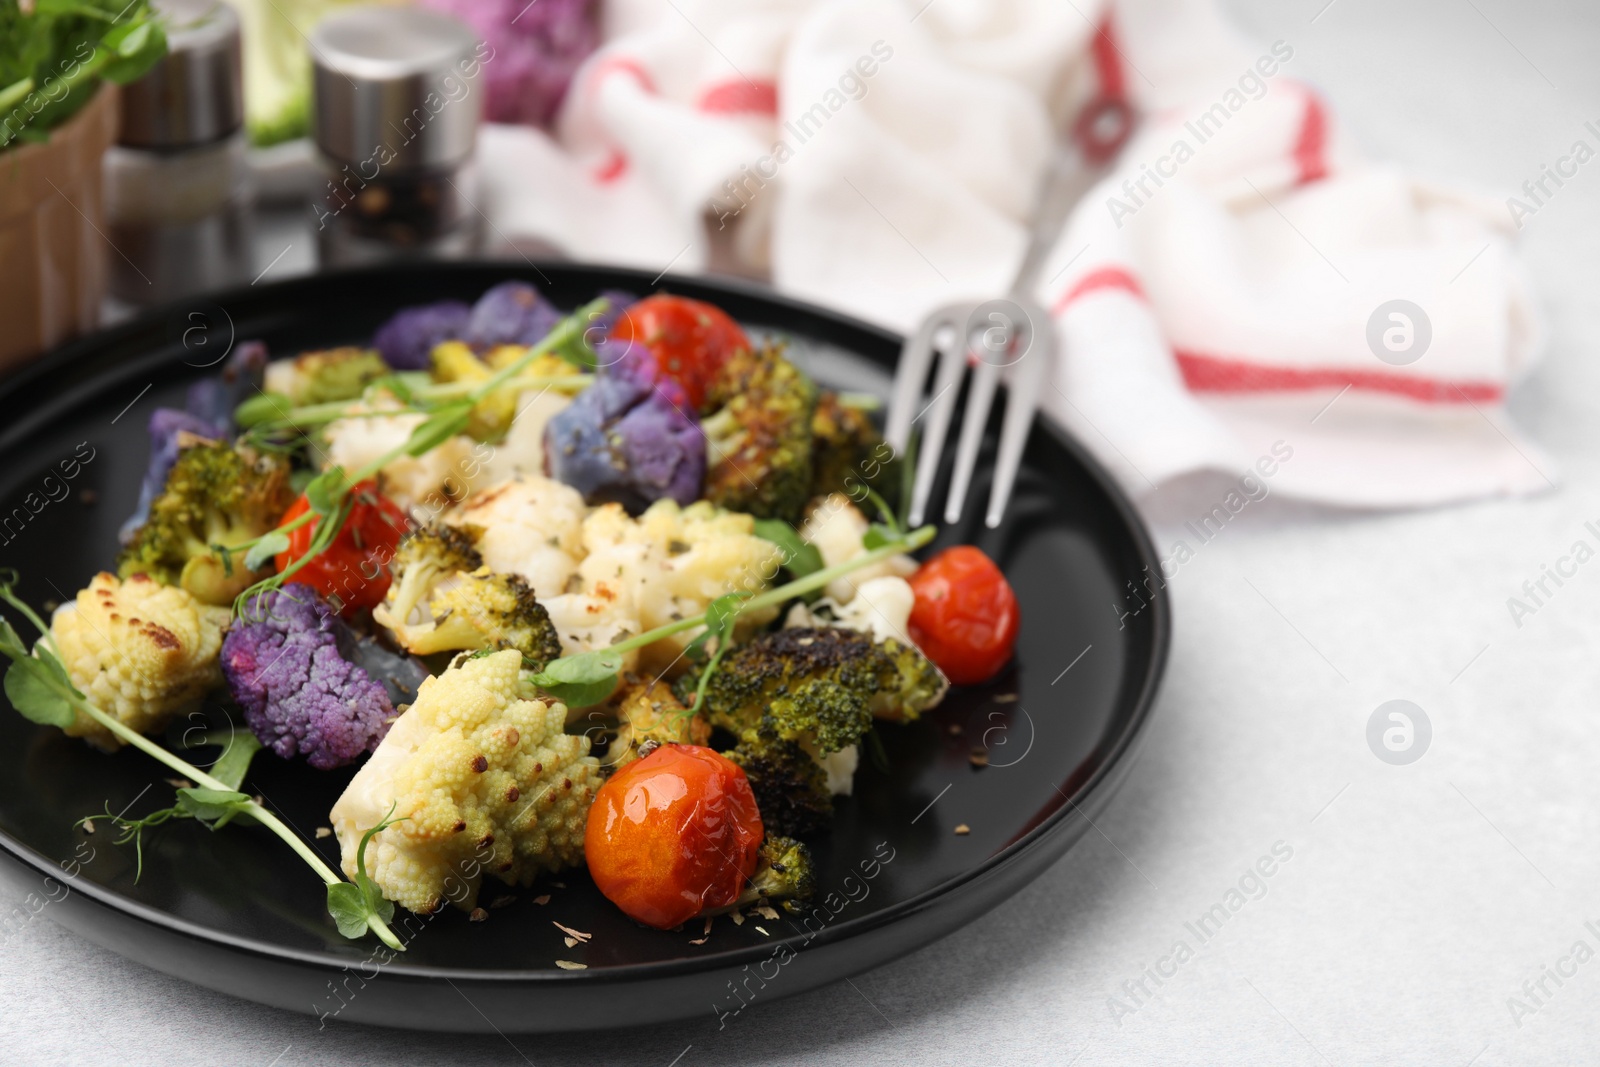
column 916, row 356
column 952, row 362
column 980, row 397
column 1022, row 401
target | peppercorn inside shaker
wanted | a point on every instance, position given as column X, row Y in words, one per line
column 397, row 98
column 178, row 193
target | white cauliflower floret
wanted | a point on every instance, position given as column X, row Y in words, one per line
column 138, row 650
column 530, row 525
column 675, row 561
column 881, row 607
column 595, row 619
column 522, row 450
column 423, row 485
column 836, row 527
column 486, row 781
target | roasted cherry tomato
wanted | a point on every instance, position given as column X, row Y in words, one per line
column 690, row 339
column 965, row 614
column 673, row 834
column 354, row 570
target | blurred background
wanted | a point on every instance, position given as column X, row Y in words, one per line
column 1420, row 899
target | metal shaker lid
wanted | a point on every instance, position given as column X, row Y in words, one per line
column 193, row 96
column 399, row 87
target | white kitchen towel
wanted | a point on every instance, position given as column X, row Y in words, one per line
column 1242, row 291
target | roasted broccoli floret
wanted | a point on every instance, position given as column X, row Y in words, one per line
column 848, row 451
column 141, row 651
column 816, row 685
column 648, row 711
column 790, row 787
column 289, row 664
column 444, row 600
column 215, row 495
column 321, row 377
column 785, row 873
column 922, row 685
column 759, row 457
column 485, row 781
column 422, row 560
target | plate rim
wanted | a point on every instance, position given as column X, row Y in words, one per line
column 1099, row 785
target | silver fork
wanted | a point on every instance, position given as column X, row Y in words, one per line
column 1011, row 339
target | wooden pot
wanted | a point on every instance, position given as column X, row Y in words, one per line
column 52, row 248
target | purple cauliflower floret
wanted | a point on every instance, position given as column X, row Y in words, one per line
column 629, row 437
column 406, row 341
column 511, row 313
column 301, row 693
column 537, row 47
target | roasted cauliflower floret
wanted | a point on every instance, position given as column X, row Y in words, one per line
column 836, row 527
column 529, row 525
column 138, row 650
column 423, row 485
column 485, row 781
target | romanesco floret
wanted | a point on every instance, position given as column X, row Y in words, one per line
column 759, row 433
column 485, row 780
column 290, row 664
column 138, row 650
column 215, row 495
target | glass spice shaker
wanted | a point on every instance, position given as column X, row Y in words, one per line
column 178, row 194
column 396, row 104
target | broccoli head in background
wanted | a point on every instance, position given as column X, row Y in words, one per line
column 453, row 361
column 328, row 375
column 628, row 438
column 847, row 450
column 759, row 452
column 207, row 412
column 407, row 340
column 215, row 495
column 484, row 779
column 288, row 662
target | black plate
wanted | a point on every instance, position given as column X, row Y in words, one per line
column 236, row 911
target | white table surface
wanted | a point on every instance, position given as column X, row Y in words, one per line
column 1418, row 899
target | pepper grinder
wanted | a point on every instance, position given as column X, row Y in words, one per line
column 396, row 104
column 178, row 195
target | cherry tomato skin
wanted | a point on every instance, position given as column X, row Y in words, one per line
column 965, row 615
column 355, row 568
column 673, row 834
column 690, row 339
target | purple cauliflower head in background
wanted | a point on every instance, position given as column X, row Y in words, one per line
column 629, row 437
column 537, row 48
column 406, row 341
column 511, row 313
column 301, row 694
